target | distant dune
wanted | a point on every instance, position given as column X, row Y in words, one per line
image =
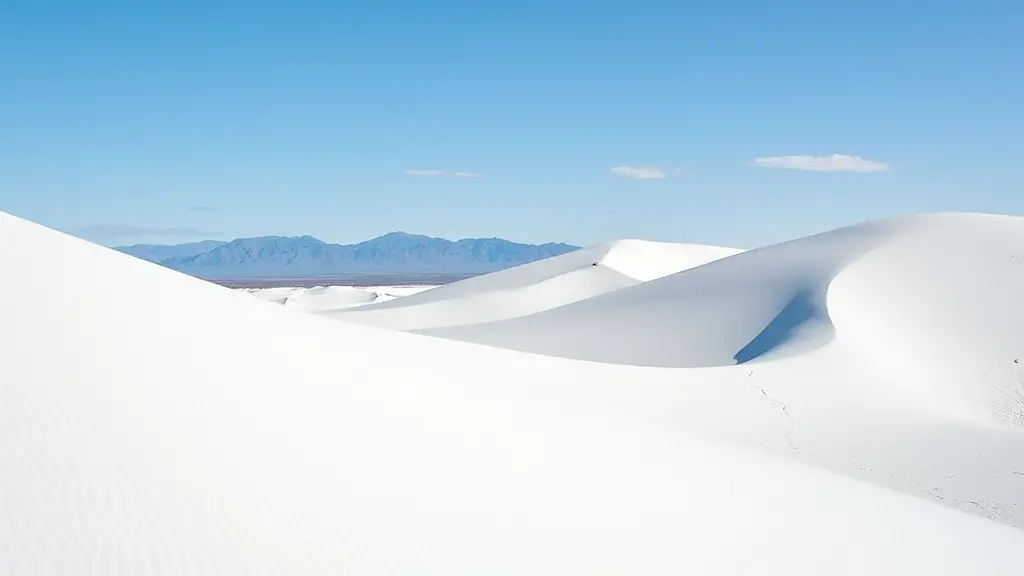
column 323, row 299
column 538, row 286
column 846, row 404
column 765, row 302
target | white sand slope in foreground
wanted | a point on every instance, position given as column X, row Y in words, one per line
column 537, row 286
column 151, row 423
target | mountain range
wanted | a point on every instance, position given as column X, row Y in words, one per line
column 393, row 253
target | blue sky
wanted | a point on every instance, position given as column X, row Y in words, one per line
column 170, row 121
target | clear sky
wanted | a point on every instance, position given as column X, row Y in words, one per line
column 578, row 121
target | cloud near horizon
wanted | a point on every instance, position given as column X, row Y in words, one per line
column 201, row 209
column 107, row 232
column 833, row 163
column 456, row 174
column 640, row 172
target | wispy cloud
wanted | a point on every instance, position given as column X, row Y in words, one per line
column 640, row 172
column 456, row 173
column 424, row 172
column 833, row 163
column 109, row 232
column 201, row 209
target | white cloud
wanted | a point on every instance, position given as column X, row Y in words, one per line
column 833, row 163
column 457, row 174
column 640, row 172
column 425, row 172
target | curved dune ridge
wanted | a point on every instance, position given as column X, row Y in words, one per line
column 152, row 423
column 537, row 286
column 730, row 311
column 928, row 302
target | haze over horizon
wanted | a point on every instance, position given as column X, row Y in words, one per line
column 738, row 124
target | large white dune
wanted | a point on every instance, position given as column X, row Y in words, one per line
column 948, row 273
column 151, row 423
column 906, row 334
column 537, row 286
column 932, row 303
column 863, row 335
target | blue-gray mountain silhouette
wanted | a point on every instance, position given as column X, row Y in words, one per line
column 394, row 253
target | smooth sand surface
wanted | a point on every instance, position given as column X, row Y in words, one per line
column 153, row 423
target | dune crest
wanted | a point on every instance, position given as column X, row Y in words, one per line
column 744, row 307
column 538, row 286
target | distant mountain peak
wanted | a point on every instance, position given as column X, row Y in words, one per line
column 401, row 235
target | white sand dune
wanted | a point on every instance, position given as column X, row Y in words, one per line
column 845, row 332
column 933, row 303
column 537, row 286
column 392, row 292
column 151, row 423
column 276, row 295
column 326, row 299
column 941, row 270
